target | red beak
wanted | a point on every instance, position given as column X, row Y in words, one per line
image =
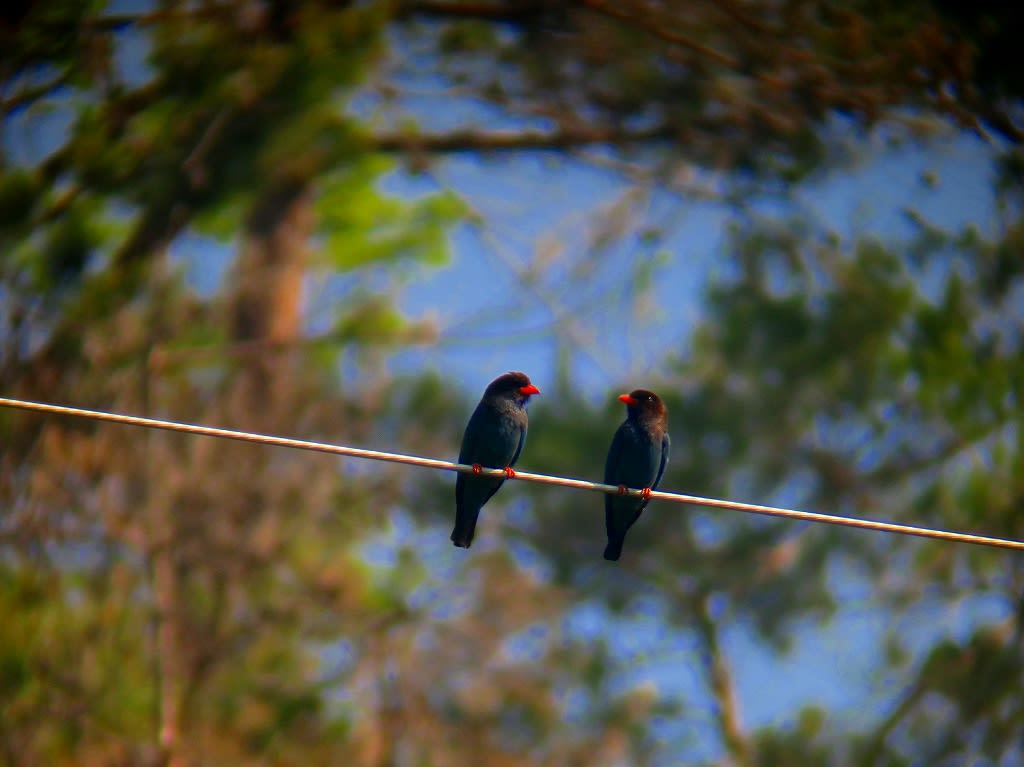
column 628, row 400
column 530, row 389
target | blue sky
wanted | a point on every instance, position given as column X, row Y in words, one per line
column 528, row 200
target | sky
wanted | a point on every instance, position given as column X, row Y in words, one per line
column 536, row 206
column 866, row 200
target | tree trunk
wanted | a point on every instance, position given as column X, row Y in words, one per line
column 266, row 308
column 265, row 314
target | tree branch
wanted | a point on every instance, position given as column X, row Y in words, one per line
column 663, row 31
column 162, row 222
column 171, row 676
column 999, row 121
column 652, row 27
column 497, row 141
column 469, row 10
column 905, row 466
column 720, row 681
column 508, row 12
column 27, row 95
column 875, row 750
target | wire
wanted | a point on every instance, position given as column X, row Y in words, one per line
column 579, row 484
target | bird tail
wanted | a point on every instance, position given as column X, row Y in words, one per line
column 465, row 528
column 613, row 550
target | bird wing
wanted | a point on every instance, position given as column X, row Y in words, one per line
column 611, row 463
column 666, row 444
column 519, row 447
column 475, row 449
column 611, row 469
column 468, row 449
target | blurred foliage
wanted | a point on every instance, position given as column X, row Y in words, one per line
column 170, row 600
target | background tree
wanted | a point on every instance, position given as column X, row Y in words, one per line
column 177, row 601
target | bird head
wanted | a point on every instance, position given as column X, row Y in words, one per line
column 515, row 386
column 645, row 405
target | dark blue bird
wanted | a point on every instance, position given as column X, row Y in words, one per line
column 494, row 439
column 636, row 459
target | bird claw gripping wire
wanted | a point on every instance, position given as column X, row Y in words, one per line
column 477, row 468
column 510, row 472
column 645, row 493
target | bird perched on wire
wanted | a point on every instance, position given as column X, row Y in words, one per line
column 636, row 459
column 494, row 438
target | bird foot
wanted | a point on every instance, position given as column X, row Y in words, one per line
column 477, row 468
column 510, row 472
column 646, row 493
column 623, row 489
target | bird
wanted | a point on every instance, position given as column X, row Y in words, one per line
column 637, row 458
column 494, row 438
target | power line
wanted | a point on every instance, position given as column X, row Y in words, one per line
column 579, row 484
